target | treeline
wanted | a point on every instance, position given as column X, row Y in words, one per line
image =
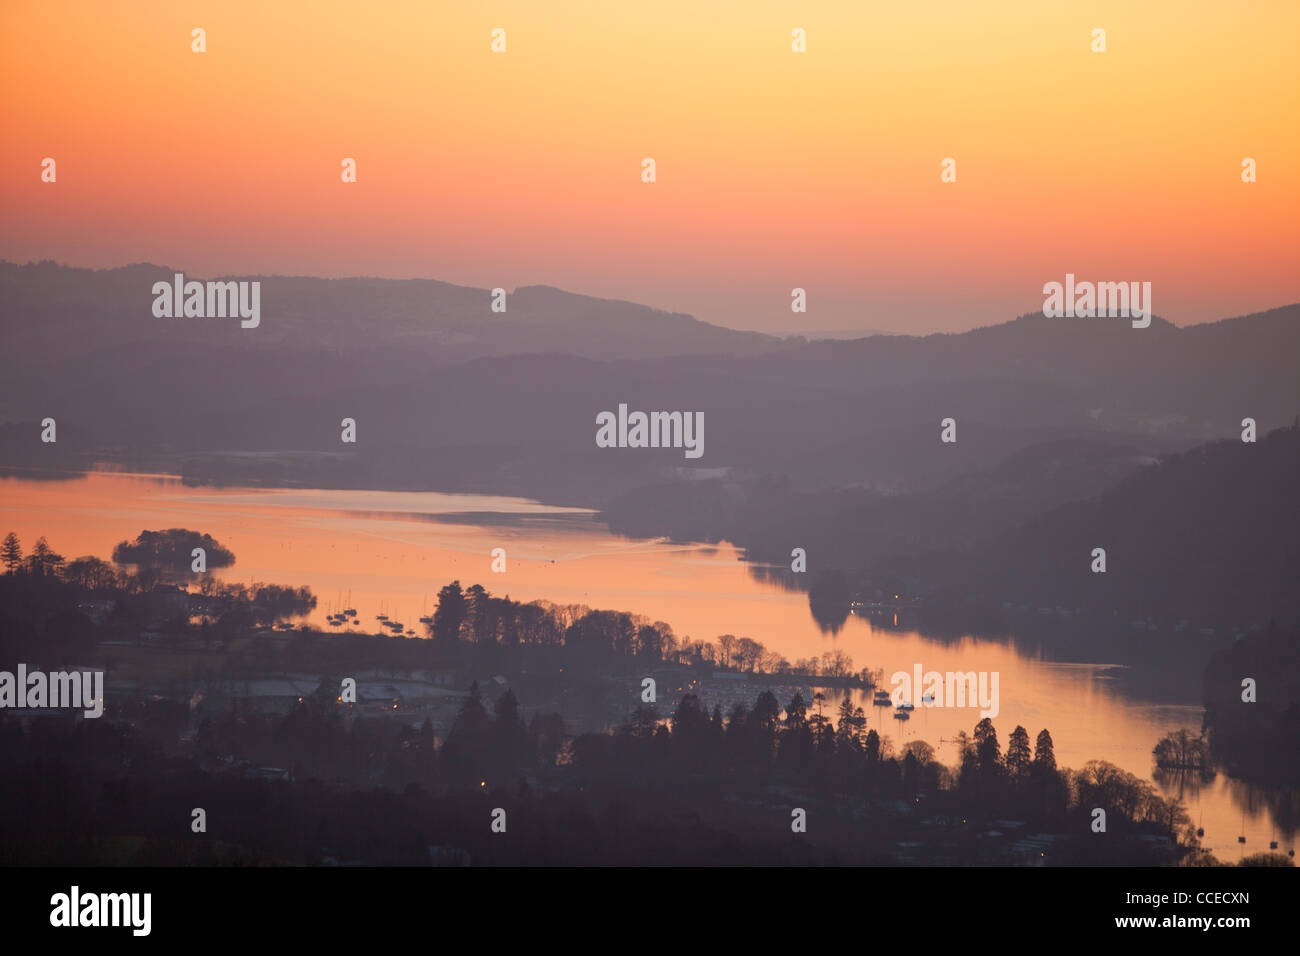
column 592, row 639
column 765, row 745
column 92, row 793
column 52, row 608
column 727, row 780
column 1252, row 708
column 596, row 637
column 153, row 558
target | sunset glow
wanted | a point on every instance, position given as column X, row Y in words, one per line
column 774, row 169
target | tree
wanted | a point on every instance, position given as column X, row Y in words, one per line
column 508, row 732
column 472, row 715
column 1044, row 757
column 1018, row 755
column 987, row 750
column 748, row 653
column 823, row 733
column 43, row 560
column 851, row 723
column 766, row 711
column 909, row 772
column 762, row 726
column 465, row 753
column 796, row 742
column 649, row 642
column 690, row 723
column 1050, row 789
column 1102, row 784
column 871, row 746
column 796, row 713
column 598, row 634
column 643, row 722
column 479, row 614
column 1179, row 750
column 919, row 751
column 726, row 642
column 11, row 552
column 168, row 555
column 836, row 663
column 90, row 573
column 450, row 614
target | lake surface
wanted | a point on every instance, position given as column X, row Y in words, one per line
column 390, row 552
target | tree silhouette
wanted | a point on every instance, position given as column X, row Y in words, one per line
column 1180, row 750
column 690, row 723
column 1044, row 755
column 90, row 573
column 796, row 742
column 168, row 555
column 1018, row 756
column 871, row 747
column 508, row 737
column 987, row 751
column 450, row 614
column 11, row 552
column 466, row 753
column 44, row 561
column 726, row 642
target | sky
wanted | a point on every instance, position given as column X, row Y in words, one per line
column 774, row 169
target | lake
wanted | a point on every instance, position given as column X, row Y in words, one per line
column 390, row 552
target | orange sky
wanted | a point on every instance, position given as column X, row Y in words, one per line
column 775, row 169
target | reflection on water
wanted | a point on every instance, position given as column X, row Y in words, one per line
column 389, row 552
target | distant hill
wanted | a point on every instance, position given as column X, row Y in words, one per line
column 51, row 312
column 1257, row 741
column 851, row 529
column 449, row 395
column 1212, row 533
column 837, row 335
